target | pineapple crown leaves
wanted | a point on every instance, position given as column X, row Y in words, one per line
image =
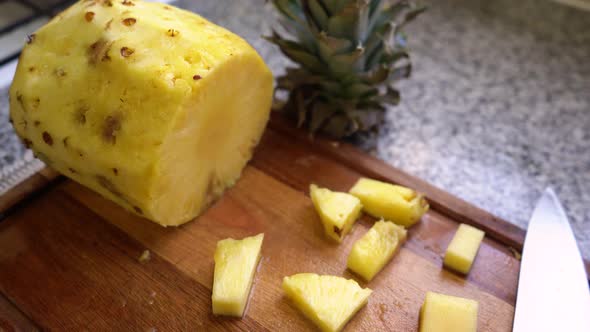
column 349, row 54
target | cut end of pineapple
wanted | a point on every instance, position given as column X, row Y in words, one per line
column 375, row 249
column 235, row 266
column 149, row 105
column 444, row 313
column 329, row 301
column 463, row 248
column 401, row 205
column 338, row 211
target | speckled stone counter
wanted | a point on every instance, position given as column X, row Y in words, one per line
column 497, row 109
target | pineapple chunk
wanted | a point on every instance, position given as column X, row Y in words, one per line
column 235, row 265
column 338, row 211
column 399, row 204
column 444, row 313
column 371, row 252
column 151, row 106
column 328, row 301
column 463, row 248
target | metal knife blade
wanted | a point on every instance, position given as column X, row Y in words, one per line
column 553, row 293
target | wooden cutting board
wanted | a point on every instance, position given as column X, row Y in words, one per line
column 69, row 258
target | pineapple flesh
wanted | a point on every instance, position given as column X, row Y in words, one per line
column 371, row 252
column 399, row 204
column 463, row 248
column 235, row 266
column 444, row 313
column 338, row 211
column 151, row 106
column 329, row 301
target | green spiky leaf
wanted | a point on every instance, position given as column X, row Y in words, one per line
column 350, row 53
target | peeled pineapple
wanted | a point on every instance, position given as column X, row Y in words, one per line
column 371, row 252
column 399, row 204
column 235, row 266
column 151, row 106
column 463, row 248
column 329, row 301
column 338, row 211
column 445, row 313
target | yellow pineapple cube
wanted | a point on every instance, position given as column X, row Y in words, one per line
column 444, row 313
column 151, row 106
column 338, row 211
column 399, row 204
column 463, row 248
column 235, row 266
column 371, row 252
column 329, row 301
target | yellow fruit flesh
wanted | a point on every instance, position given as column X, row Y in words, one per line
column 235, row 266
column 338, row 211
column 399, row 204
column 152, row 106
column 463, row 248
column 444, row 313
column 329, row 301
column 376, row 248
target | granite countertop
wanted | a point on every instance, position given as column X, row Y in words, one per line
column 497, row 109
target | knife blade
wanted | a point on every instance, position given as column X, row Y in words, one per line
column 553, row 292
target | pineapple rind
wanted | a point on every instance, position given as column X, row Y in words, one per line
column 375, row 249
column 235, row 266
column 444, row 313
column 151, row 106
column 399, row 204
column 329, row 301
column 338, row 211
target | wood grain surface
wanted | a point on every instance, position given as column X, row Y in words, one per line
column 69, row 258
column 12, row 319
column 27, row 188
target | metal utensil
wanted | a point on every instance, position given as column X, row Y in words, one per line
column 553, row 293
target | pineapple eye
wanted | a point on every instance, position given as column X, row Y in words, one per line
column 172, row 32
column 99, row 50
column 111, row 126
column 126, row 52
column 36, row 102
column 80, row 115
column 129, row 21
column 89, row 16
column 108, row 24
column 59, row 72
column 338, row 231
column 47, row 138
column 27, row 142
column 20, row 100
